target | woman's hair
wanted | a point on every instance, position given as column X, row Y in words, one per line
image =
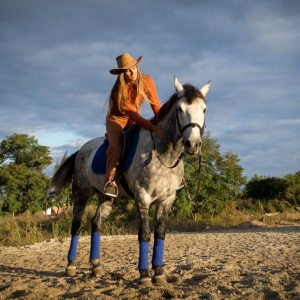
column 119, row 87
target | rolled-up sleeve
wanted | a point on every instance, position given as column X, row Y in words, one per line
column 152, row 95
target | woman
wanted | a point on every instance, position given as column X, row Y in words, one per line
column 128, row 93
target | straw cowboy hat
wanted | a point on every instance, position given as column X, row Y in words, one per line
column 124, row 62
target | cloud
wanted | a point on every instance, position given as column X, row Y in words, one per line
column 54, row 79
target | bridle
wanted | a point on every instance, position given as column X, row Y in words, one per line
column 181, row 130
column 200, row 161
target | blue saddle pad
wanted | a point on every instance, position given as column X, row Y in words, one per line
column 99, row 160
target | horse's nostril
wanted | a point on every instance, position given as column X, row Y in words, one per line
column 188, row 144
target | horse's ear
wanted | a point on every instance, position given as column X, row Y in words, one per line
column 177, row 84
column 204, row 90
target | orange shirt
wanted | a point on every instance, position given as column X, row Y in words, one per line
column 131, row 107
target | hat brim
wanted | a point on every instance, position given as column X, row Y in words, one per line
column 120, row 70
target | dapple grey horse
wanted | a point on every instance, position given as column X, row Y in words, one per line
column 154, row 175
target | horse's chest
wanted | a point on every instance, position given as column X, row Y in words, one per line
column 150, row 171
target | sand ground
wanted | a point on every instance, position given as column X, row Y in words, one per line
column 252, row 263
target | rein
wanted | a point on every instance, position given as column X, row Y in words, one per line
column 181, row 131
column 198, row 182
column 159, row 158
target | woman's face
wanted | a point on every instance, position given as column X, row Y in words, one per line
column 130, row 74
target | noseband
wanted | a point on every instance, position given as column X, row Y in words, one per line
column 182, row 129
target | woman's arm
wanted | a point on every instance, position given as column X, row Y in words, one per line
column 152, row 94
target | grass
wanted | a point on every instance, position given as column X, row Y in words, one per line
column 28, row 229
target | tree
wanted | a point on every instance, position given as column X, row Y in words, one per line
column 23, row 185
column 292, row 192
column 265, row 188
column 221, row 180
column 61, row 198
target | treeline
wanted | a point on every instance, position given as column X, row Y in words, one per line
column 219, row 178
column 222, row 182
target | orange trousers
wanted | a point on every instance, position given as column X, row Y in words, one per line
column 113, row 152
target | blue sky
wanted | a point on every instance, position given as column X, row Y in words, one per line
column 56, row 56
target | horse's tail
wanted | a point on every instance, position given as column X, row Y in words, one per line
column 64, row 174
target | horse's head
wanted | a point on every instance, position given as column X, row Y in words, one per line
column 191, row 108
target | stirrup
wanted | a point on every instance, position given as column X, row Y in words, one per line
column 182, row 184
column 110, row 189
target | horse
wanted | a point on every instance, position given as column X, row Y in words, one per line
column 153, row 176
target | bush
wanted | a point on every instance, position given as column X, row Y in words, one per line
column 265, row 188
column 28, row 229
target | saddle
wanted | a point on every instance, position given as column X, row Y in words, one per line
column 130, row 138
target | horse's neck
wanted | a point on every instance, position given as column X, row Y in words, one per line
column 170, row 146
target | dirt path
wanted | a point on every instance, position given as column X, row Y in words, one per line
column 259, row 263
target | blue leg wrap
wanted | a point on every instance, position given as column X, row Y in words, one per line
column 144, row 254
column 95, row 246
column 158, row 253
column 73, row 248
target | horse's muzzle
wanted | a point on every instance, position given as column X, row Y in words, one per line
column 192, row 148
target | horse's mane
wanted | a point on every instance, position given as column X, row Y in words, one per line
column 190, row 92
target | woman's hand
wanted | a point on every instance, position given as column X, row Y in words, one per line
column 157, row 130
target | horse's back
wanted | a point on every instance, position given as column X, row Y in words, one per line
column 90, row 147
column 84, row 159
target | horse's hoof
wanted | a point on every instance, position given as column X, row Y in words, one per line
column 98, row 271
column 159, row 280
column 145, row 282
column 71, row 271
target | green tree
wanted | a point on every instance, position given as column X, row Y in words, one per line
column 265, row 188
column 23, row 184
column 64, row 197
column 221, row 180
column 292, row 192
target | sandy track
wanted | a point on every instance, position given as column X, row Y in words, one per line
column 255, row 263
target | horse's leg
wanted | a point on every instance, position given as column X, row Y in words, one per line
column 161, row 216
column 144, row 236
column 103, row 210
column 80, row 202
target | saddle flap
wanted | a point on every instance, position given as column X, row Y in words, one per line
column 130, row 138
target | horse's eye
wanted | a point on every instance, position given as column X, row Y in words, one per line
column 204, row 111
column 179, row 108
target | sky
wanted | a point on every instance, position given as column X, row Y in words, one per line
column 55, row 58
